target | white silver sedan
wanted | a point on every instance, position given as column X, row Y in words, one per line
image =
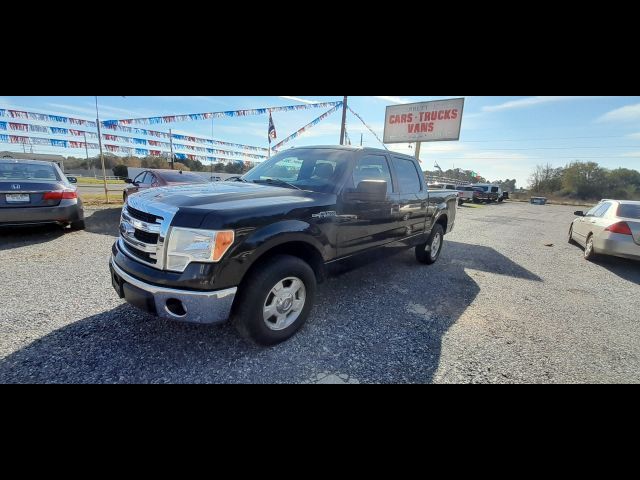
column 610, row 228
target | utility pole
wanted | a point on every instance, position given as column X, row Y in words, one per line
column 171, row 146
column 104, row 171
column 418, row 150
column 344, row 120
column 360, row 139
column 86, row 150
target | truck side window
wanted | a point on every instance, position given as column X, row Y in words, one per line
column 372, row 167
column 408, row 178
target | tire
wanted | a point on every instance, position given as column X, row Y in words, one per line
column 257, row 300
column 460, row 203
column 570, row 237
column 425, row 251
column 124, row 197
column 79, row 225
column 589, row 251
column 500, row 200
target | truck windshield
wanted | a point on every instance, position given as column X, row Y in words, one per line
column 315, row 169
column 484, row 189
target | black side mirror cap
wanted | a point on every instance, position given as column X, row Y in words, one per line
column 579, row 213
column 72, row 179
column 128, row 180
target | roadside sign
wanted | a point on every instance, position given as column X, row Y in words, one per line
column 434, row 121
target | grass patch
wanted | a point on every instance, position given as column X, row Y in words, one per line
column 97, row 181
column 98, row 199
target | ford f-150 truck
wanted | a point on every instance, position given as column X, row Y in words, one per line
column 253, row 249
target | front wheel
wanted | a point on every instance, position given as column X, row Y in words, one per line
column 275, row 301
column 429, row 252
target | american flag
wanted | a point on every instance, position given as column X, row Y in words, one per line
column 272, row 129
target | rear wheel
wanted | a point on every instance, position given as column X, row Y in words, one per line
column 589, row 251
column 429, row 252
column 275, row 301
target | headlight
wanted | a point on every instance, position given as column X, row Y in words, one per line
column 188, row 245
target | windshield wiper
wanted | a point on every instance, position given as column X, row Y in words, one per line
column 277, row 181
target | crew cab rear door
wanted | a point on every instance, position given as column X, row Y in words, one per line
column 412, row 196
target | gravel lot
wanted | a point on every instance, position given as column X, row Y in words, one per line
column 498, row 307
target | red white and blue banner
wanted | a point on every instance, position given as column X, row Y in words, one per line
column 209, row 115
column 370, row 129
column 308, row 125
column 43, row 117
column 109, row 147
column 177, row 136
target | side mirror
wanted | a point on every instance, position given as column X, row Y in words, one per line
column 128, row 180
column 72, row 179
column 579, row 213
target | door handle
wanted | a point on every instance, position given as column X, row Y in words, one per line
column 592, row 221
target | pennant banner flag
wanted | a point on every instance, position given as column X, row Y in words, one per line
column 43, row 117
column 370, row 129
column 206, row 116
column 21, row 139
column 177, row 136
column 308, row 125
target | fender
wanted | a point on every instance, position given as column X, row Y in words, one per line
column 260, row 241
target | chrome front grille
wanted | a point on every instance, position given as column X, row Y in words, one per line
column 143, row 230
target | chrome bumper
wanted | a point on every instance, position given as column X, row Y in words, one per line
column 182, row 305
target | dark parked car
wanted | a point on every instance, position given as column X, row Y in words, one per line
column 34, row 193
column 161, row 178
column 255, row 248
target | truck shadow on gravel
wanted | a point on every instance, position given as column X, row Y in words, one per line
column 381, row 323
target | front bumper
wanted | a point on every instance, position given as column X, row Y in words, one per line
column 617, row 245
column 182, row 305
column 62, row 214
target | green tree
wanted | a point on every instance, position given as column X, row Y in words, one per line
column 587, row 180
column 121, row 171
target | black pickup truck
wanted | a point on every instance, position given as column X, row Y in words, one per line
column 253, row 249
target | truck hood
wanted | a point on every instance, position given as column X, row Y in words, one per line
column 224, row 204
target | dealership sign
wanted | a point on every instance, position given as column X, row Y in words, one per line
column 423, row 122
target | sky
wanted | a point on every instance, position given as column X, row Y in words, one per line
column 501, row 137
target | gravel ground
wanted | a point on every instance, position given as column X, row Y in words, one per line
column 498, row 307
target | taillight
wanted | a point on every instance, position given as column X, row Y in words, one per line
column 60, row 195
column 621, row 227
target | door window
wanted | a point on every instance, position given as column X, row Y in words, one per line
column 372, row 167
column 408, row 178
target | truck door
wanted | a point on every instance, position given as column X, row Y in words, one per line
column 363, row 223
column 412, row 196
